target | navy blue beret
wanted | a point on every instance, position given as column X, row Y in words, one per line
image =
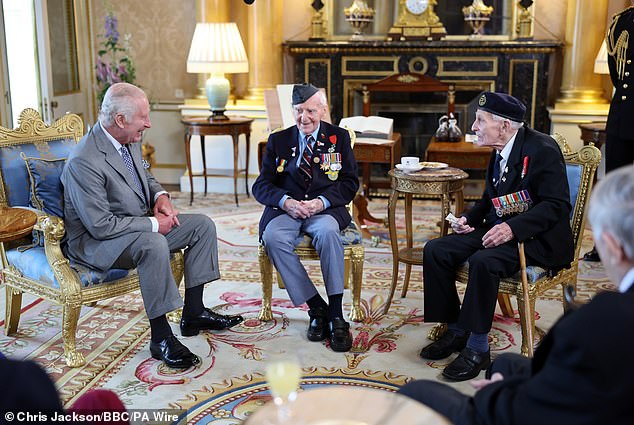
column 303, row 92
column 503, row 105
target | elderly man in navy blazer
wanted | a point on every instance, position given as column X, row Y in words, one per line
column 526, row 198
column 118, row 216
column 308, row 176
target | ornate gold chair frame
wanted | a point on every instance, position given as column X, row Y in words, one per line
column 71, row 293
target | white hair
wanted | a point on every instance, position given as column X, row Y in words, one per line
column 612, row 208
column 515, row 125
column 117, row 100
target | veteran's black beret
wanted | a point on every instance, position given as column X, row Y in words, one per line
column 503, row 105
column 303, row 92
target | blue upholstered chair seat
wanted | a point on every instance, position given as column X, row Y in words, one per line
column 32, row 264
column 350, row 236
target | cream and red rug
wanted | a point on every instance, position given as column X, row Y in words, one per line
column 114, row 335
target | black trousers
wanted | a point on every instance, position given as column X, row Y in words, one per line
column 618, row 152
column 442, row 256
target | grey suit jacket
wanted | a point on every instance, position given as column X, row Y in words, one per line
column 102, row 209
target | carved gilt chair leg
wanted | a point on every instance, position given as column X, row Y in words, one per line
column 12, row 310
column 266, row 274
column 525, row 323
column 70, row 317
column 505, row 305
column 356, row 313
column 346, row 272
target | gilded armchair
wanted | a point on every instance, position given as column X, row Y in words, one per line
column 354, row 255
column 531, row 281
column 31, row 158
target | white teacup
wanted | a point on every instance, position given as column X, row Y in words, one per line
column 410, row 161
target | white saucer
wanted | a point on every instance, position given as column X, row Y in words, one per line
column 413, row 169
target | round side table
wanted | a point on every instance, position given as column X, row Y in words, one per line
column 14, row 224
column 444, row 183
column 233, row 126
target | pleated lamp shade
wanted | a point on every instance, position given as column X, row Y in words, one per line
column 217, row 49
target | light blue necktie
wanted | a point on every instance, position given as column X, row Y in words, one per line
column 127, row 160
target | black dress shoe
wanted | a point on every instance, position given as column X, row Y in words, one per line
column 207, row 320
column 467, row 365
column 592, row 255
column 340, row 336
column 318, row 326
column 173, row 353
column 449, row 343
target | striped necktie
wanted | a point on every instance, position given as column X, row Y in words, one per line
column 127, row 160
column 307, row 155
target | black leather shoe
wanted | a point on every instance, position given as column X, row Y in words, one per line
column 447, row 344
column 592, row 255
column 467, row 365
column 173, row 353
column 318, row 326
column 340, row 336
column 208, row 320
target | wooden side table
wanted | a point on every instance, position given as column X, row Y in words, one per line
column 14, row 224
column 367, row 152
column 442, row 183
column 459, row 154
column 593, row 132
column 234, row 127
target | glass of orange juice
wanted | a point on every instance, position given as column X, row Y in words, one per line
column 283, row 373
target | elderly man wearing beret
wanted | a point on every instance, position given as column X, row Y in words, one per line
column 308, row 176
column 526, row 199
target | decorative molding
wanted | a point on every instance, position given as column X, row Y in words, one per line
column 388, row 60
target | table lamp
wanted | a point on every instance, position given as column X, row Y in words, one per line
column 217, row 49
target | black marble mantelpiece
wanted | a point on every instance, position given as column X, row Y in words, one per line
column 524, row 69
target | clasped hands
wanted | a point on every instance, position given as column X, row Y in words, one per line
column 499, row 234
column 303, row 209
column 165, row 214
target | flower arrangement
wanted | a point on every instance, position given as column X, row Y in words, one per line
column 114, row 64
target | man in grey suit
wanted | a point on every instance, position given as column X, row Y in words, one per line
column 118, row 216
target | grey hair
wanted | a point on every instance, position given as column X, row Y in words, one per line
column 117, row 101
column 612, row 208
column 514, row 124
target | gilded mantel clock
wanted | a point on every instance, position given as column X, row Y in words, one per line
column 417, row 21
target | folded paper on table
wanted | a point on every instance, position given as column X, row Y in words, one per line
column 372, row 126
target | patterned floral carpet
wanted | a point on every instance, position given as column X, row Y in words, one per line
column 114, row 335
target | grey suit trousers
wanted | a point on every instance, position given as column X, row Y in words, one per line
column 150, row 253
column 281, row 236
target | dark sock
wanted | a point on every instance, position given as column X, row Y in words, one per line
column 193, row 301
column 160, row 328
column 457, row 330
column 316, row 302
column 334, row 306
column 478, row 342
